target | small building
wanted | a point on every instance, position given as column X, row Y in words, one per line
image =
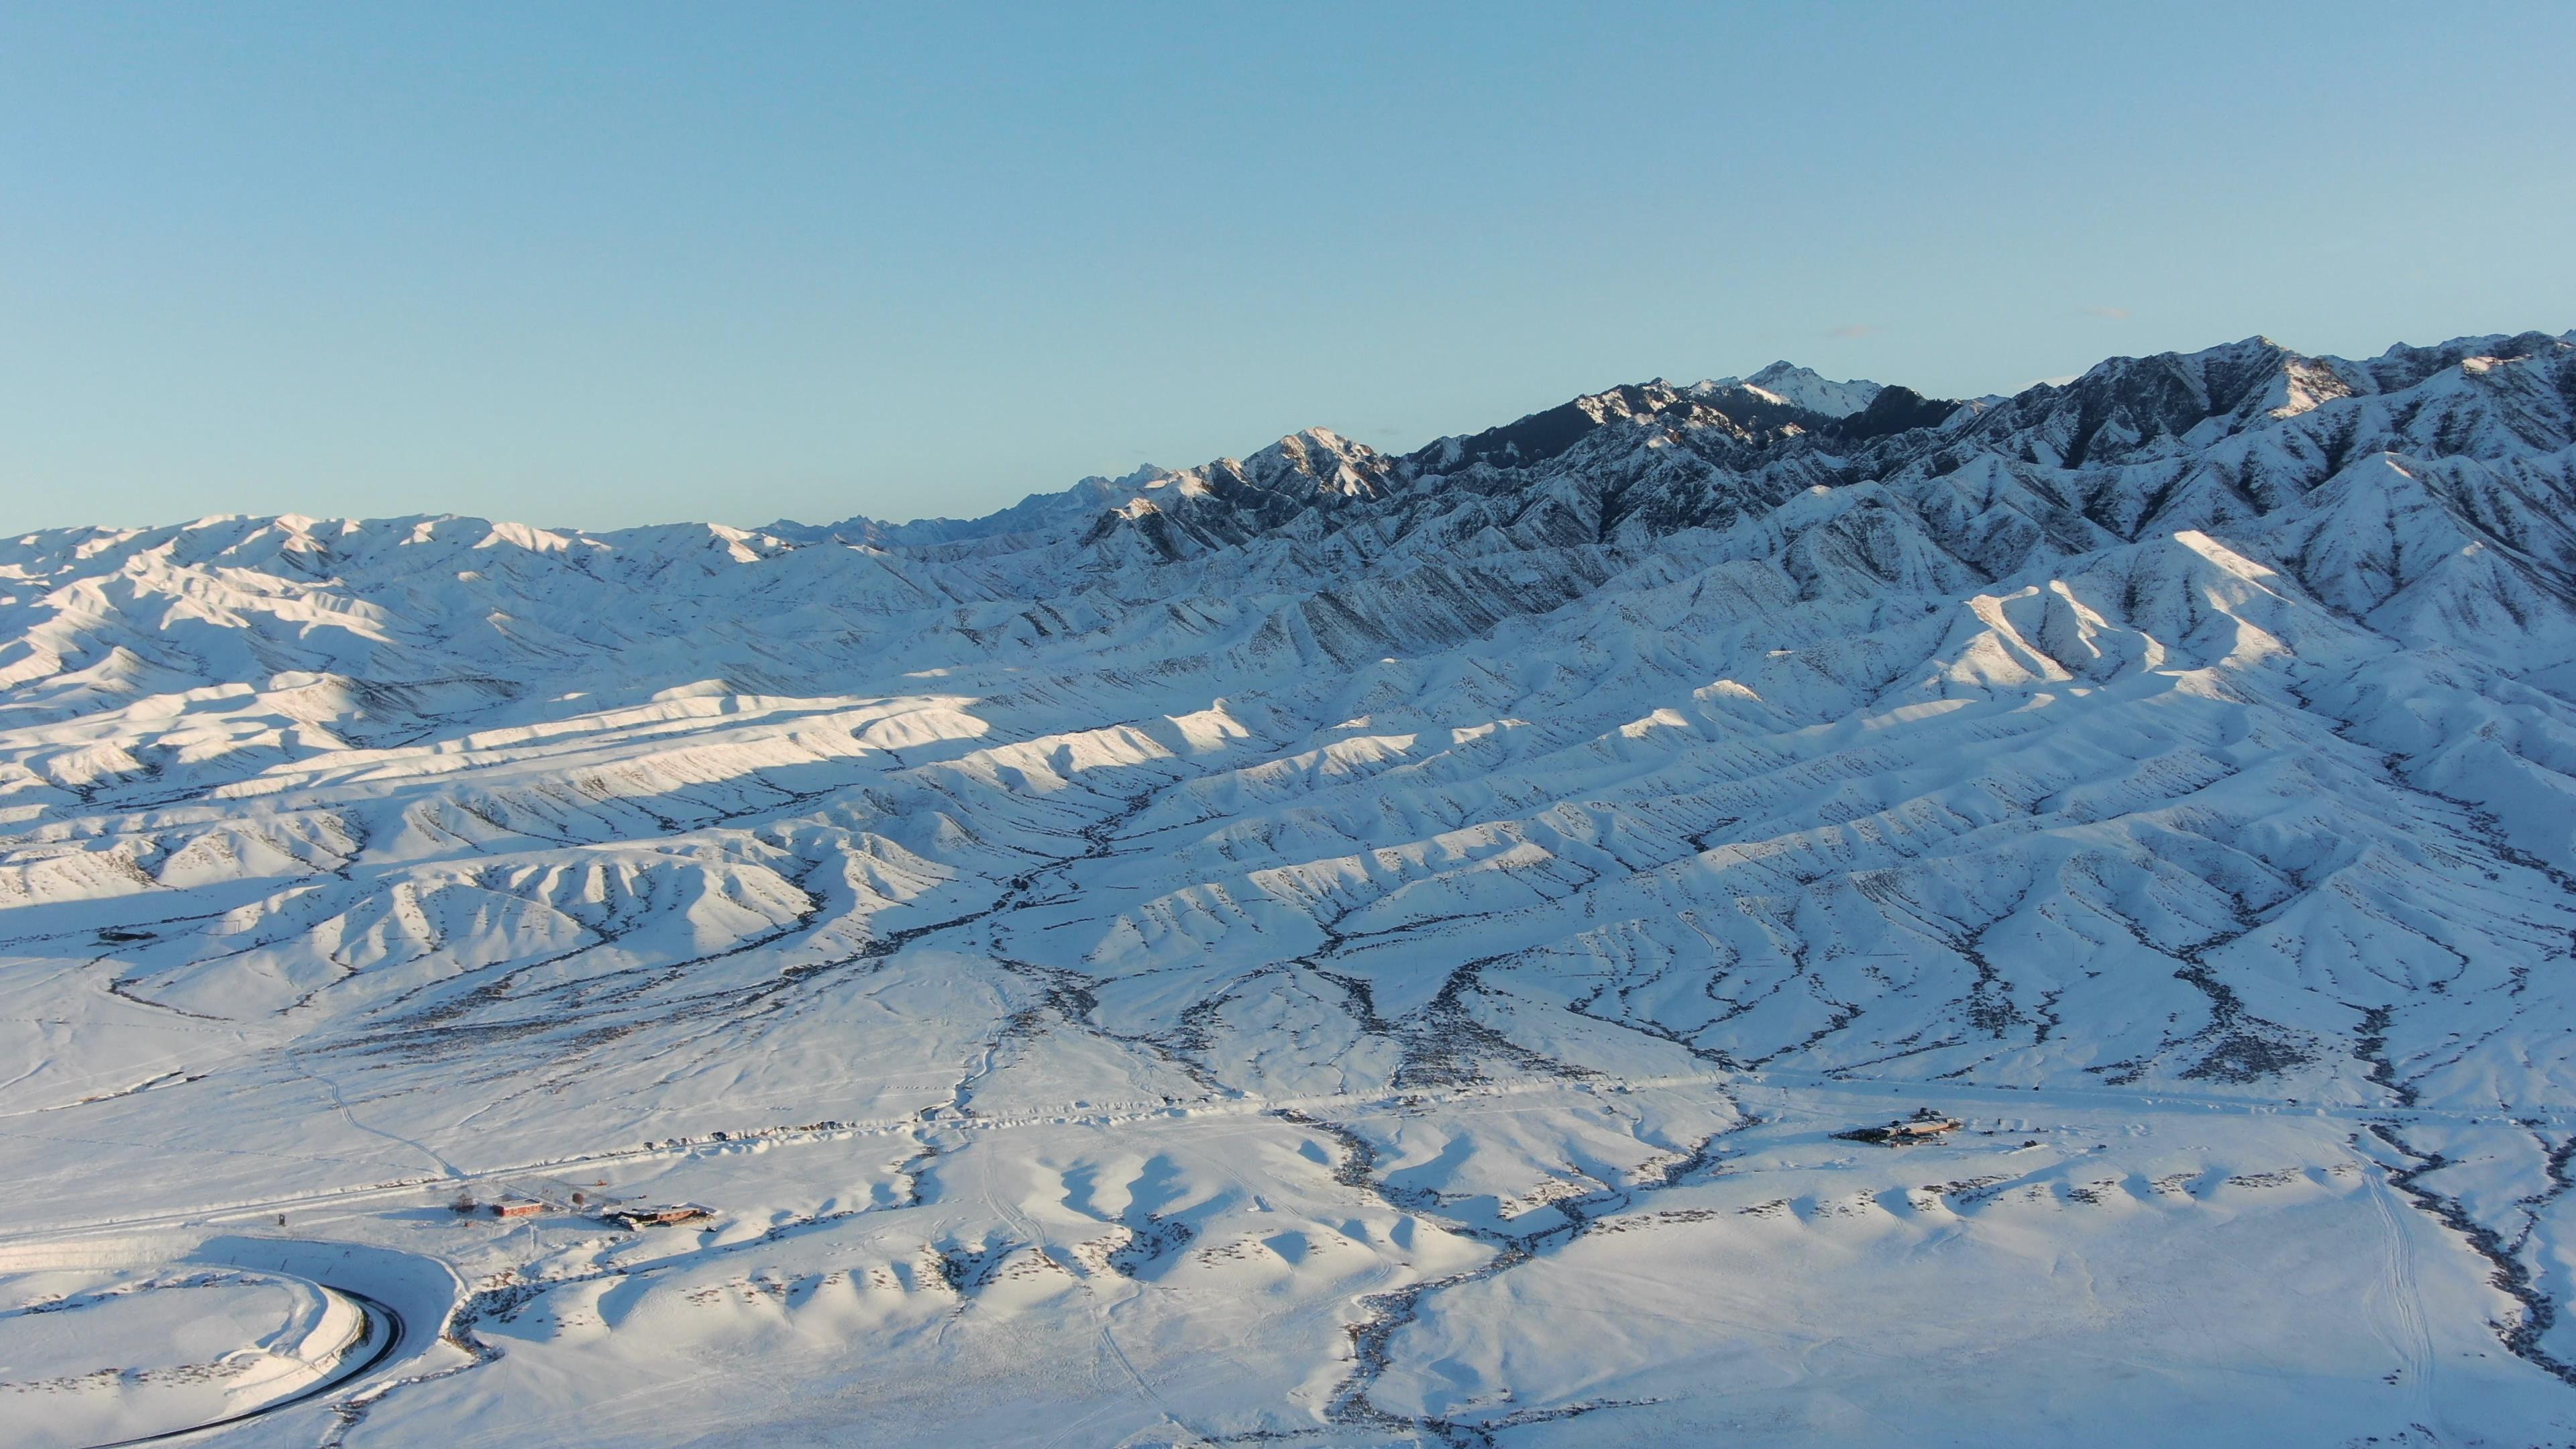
column 519, row 1207
column 656, row 1217
column 1925, row 1125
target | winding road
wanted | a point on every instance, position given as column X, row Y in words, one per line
column 382, row 1325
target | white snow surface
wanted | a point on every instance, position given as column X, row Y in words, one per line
column 102, row 1355
column 1346, row 949
column 1804, row 387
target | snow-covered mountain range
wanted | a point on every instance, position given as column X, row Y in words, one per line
column 1359, row 948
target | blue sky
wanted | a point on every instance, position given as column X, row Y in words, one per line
column 617, row 264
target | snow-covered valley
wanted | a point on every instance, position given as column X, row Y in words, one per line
column 1345, row 949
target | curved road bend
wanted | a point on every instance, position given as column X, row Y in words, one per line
column 380, row 1320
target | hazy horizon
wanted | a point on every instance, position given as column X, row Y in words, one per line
column 748, row 522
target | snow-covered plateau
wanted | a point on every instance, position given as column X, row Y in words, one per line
column 1335, row 948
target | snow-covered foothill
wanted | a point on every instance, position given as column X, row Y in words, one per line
column 1359, row 948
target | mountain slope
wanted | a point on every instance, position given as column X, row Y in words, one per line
column 1683, row 759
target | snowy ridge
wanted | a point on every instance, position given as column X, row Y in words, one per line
column 1388, row 889
column 1802, row 387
